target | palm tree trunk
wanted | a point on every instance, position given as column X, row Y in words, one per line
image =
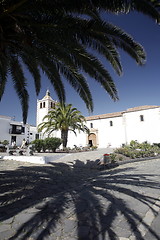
column 64, row 137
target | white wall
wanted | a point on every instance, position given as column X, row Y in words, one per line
column 107, row 135
column 32, row 133
column 6, row 124
column 80, row 139
column 126, row 128
column 147, row 130
column 41, row 112
column 4, row 128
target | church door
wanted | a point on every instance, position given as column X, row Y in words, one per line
column 92, row 139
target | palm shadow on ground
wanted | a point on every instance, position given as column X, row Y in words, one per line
column 76, row 202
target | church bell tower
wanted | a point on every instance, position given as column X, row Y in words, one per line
column 44, row 106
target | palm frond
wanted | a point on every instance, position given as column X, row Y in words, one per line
column 19, row 82
column 3, row 75
column 64, row 39
column 29, row 59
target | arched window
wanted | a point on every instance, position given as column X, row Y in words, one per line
column 40, row 105
column 91, row 125
column 44, row 104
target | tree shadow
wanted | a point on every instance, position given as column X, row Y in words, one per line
column 77, row 201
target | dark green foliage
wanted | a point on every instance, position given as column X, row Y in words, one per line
column 62, row 39
column 3, row 145
column 156, row 144
column 38, row 144
column 112, row 157
column 5, row 142
column 52, row 143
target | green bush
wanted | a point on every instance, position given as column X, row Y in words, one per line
column 52, row 143
column 134, row 144
column 38, row 144
column 94, row 148
column 120, row 158
column 5, row 142
column 139, row 150
column 156, row 144
column 113, row 157
column 3, row 147
column 66, row 149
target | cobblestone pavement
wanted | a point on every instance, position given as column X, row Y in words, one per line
column 66, row 201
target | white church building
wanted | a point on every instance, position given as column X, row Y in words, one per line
column 112, row 129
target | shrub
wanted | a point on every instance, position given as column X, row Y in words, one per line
column 134, row 144
column 66, row 149
column 5, row 142
column 120, row 158
column 113, row 157
column 52, row 143
column 94, row 147
column 156, row 144
column 139, row 150
column 38, row 144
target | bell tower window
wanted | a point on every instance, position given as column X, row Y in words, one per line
column 141, row 118
column 111, row 123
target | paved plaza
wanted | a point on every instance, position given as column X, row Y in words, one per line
column 72, row 199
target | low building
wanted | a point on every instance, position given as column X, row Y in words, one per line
column 14, row 131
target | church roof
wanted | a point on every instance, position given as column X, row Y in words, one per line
column 119, row 114
column 145, row 107
column 102, row 116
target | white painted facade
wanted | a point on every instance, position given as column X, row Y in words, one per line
column 44, row 106
column 112, row 129
column 139, row 123
column 14, row 131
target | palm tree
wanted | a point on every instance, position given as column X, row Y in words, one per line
column 64, row 118
column 54, row 37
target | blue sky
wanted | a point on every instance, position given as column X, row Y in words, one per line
column 139, row 85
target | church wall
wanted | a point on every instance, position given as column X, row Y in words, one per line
column 109, row 131
column 146, row 130
column 114, row 130
column 80, row 139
